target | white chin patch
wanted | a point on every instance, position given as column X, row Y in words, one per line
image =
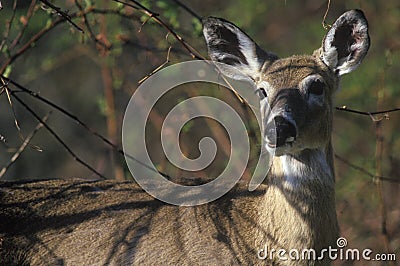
column 278, row 151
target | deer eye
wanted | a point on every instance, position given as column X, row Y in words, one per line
column 261, row 93
column 316, row 87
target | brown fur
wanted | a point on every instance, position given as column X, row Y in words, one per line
column 74, row 222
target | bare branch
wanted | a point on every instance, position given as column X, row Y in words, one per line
column 92, row 36
column 187, row 9
column 28, row 16
column 58, row 138
column 325, row 25
column 149, row 48
column 23, row 146
column 370, row 114
column 158, row 68
column 4, row 85
column 193, row 52
column 62, row 14
column 81, row 123
column 37, row 37
column 9, row 23
column 362, row 170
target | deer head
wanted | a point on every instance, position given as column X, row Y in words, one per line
column 298, row 89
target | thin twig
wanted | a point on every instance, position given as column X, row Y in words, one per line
column 362, row 170
column 4, row 86
column 187, row 9
column 89, row 28
column 62, row 14
column 82, row 124
column 193, row 53
column 116, row 11
column 37, row 37
column 29, row 44
column 370, row 114
column 11, row 105
column 41, row 33
column 149, row 48
column 324, row 24
column 9, row 23
column 3, row 141
column 23, row 146
column 58, row 138
column 158, row 68
column 28, row 16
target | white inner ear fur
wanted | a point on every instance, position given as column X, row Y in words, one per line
column 330, row 54
column 346, row 64
column 248, row 48
column 243, row 71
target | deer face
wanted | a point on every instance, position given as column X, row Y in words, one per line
column 297, row 89
column 300, row 114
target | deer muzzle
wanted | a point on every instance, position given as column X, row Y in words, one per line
column 280, row 132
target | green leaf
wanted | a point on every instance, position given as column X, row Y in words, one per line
column 7, row 72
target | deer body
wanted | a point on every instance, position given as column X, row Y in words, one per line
column 112, row 223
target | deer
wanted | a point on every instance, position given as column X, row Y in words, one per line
column 80, row 222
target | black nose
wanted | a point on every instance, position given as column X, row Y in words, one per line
column 280, row 131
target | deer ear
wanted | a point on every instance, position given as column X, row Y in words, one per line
column 239, row 57
column 347, row 42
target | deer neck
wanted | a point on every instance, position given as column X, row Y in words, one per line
column 308, row 168
column 299, row 206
